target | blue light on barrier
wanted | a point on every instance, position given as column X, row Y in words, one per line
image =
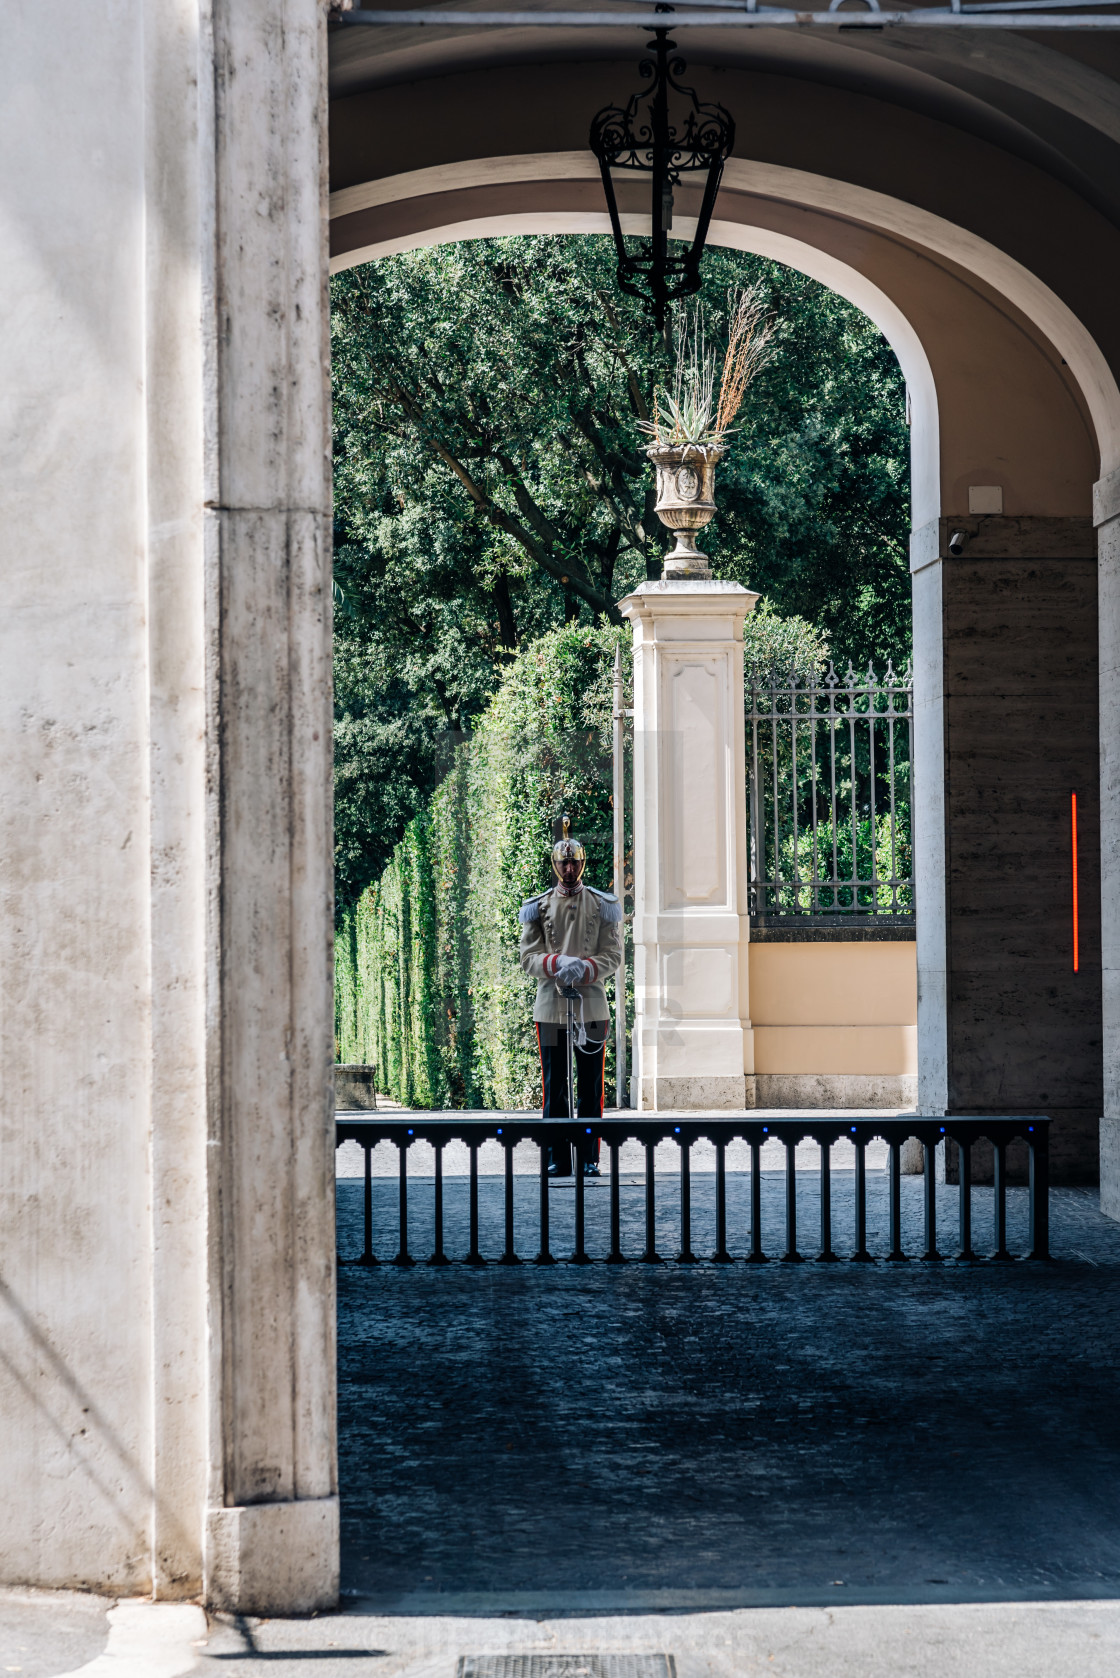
column 589, row 1130
column 853, row 1130
column 766, row 1130
column 1030, row 1127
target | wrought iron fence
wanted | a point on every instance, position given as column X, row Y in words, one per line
column 830, row 796
column 825, row 1130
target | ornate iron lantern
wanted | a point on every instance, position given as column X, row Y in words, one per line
column 645, row 140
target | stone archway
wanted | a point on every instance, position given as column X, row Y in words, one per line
column 983, row 344
column 166, row 923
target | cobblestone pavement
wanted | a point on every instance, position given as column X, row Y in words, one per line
column 583, row 1439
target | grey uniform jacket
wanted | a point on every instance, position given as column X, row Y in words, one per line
column 588, row 924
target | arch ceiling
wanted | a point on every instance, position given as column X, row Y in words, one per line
column 1054, row 100
column 997, row 157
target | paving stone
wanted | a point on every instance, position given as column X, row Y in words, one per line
column 46, row 1633
column 803, row 1433
column 989, row 1640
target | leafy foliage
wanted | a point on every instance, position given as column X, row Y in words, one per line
column 428, row 986
column 490, row 485
column 790, row 645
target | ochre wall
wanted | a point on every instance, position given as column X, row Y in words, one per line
column 834, row 1008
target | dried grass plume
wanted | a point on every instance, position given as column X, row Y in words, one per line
column 750, row 345
column 690, row 413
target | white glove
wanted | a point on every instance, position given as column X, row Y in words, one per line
column 573, row 970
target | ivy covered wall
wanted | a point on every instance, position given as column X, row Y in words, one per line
column 428, row 990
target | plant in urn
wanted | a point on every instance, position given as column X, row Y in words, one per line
column 692, row 421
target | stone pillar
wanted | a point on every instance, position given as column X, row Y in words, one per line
column 1106, row 512
column 692, row 1032
column 79, row 1203
column 272, row 1516
column 1005, row 639
column 166, row 1129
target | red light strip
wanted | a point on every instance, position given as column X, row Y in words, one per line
column 1073, row 834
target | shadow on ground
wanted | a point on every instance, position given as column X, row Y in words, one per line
column 689, row 1436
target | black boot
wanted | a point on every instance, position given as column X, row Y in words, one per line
column 560, row 1162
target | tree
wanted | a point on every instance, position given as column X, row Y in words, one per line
column 490, row 483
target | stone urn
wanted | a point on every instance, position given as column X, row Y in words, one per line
column 686, row 500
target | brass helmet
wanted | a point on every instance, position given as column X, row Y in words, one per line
column 567, row 849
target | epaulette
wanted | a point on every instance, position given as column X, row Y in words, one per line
column 610, row 909
column 530, row 910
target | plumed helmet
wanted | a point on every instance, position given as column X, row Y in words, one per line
column 567, row 849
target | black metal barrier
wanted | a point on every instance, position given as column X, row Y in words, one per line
column 473, row 1130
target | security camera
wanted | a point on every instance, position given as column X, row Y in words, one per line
column 957, row 543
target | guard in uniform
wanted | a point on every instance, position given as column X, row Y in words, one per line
column 572, row 934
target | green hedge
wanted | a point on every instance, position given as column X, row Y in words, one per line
column 428, row 990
